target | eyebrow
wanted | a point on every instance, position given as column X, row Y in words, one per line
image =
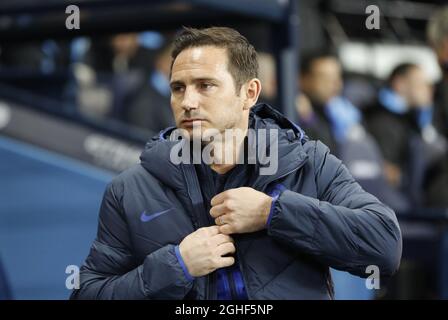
column 179, row 82
column 173, row 83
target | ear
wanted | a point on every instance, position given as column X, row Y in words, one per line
column 251, row 92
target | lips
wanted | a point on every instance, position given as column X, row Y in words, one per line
column 189, row 122
column 193, row 119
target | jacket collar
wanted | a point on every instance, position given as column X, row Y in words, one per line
column 156, row 156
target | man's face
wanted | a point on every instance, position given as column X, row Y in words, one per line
column 324, row 80
column 125, row 44
column 203, row 91
column 417, row 89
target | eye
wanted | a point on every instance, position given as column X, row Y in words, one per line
column 206, row 85
column 177, row 88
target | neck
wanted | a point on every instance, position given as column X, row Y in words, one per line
column 228, row 152
column 222, row 168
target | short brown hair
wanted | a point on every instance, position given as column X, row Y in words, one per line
column 242, row 57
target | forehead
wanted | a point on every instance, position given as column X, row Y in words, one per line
column 416, row 72
column 325, row 64
column 200, row 61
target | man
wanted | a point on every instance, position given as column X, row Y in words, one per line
column 395, row 116
column 323, row 112
column 401, row 120
column 438, row 38
column 436, row 185
column 147, row 108
column 226, row 231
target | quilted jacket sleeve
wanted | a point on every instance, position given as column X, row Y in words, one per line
column 345, row 228
column 110, row 271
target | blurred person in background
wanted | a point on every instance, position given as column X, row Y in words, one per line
column 330, row 117
column 436, row 183
column 130, row 65
column 267, row 75
column 400, row 121
column 110, row 73
column 438, row 38
column 323, row 112
column 150, row 107
column 133, row 80
column 119, row 53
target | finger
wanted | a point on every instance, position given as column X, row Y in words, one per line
column 222, row 238
column 219, row 198
column 226, row 229
column 225, row 248
column 225, row 262
column 218, row 210
column 211, row 231
column 221, row 220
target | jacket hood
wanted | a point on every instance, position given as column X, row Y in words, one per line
column 155, row 158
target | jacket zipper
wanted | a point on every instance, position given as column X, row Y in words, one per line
column 211, row 277
column 228, row 273
column 190, row 175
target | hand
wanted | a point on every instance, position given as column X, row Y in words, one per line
column 203, row 251
column 240, row 210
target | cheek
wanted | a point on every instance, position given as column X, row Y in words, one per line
column 175, row 107
column 323, row 87
column 173, row 103
column 320, row 85
column 223, row 113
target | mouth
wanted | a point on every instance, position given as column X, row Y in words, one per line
column 189, row 122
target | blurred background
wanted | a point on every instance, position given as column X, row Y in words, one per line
column 78, row 105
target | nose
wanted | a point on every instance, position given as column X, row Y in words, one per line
column 190, row 99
